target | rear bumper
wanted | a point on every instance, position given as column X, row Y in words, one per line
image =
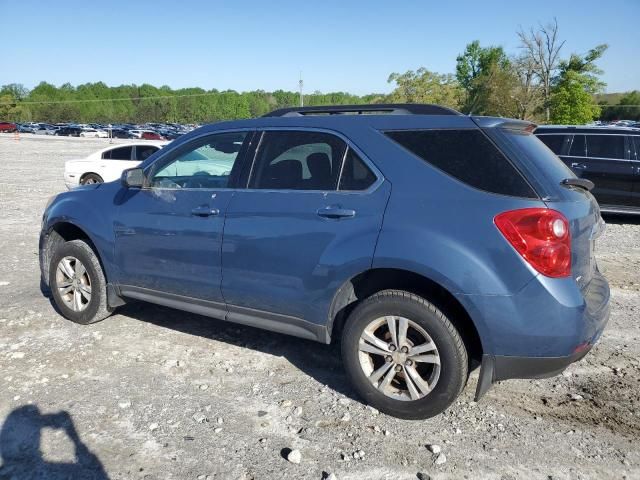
column 495, row 368
column 71, row 179
column 543, row 329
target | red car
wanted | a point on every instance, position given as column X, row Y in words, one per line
column 151, row 136
column 8, row 127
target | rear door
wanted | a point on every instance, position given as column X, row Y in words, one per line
column 606, row 163
column 635, row 161
column 307, row 222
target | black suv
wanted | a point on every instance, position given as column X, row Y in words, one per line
column 608, row 156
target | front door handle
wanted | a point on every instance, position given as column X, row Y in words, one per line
column 336, row 212
column 205, row 211
column 579, row 166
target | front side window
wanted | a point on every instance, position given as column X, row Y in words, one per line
column 143, row 152
column 204, row 163
column 605, row 146
column 296, row 160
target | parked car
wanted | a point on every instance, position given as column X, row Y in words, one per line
column 151, row 136
column 45, row 130
column 607, row 156
column 25, row 128
column 425, row 241
column 8, row 127
column 108, row 164
column 92, row 132
column 68, row 131
column 121, row 133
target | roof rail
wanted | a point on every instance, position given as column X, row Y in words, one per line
column 379, row 108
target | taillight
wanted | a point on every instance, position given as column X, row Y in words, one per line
column 541, row 236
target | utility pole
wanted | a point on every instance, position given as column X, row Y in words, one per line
column 300, row 84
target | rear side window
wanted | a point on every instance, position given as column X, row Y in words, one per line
column 355, row 173
column 578, row 146
column 636, row 140
column 297, row 160
column 122, row 153
column 605, row 146
column 556, row 143
column 468, row 156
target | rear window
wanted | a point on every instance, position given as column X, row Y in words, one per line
column 468, row 156
column 555, row 142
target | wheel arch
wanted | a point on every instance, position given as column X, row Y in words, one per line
column 85, row 174
column 374, row 280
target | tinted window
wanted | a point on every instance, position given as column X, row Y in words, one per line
column 468, row 156
column 555, row 142
column 636, row 139
column 204, row 163
column 355, row 173
column 144, row 152
column 605, row 146
column 297, row 161
column 122, row 153
column 578, row 146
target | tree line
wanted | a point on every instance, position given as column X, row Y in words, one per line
column 535, row 83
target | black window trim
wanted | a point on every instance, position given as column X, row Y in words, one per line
column 627, row 143
column 460, row 182
column 349, row 144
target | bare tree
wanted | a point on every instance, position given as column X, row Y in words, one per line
column 527, row 93
column 543, row 49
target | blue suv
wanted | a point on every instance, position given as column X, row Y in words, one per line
column 427, row 242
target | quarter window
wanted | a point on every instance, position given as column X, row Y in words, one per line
column 468, row 156
column 121, row 153
column 204, row 163
column 605, row 146
column 355, row 173
column 295, row 160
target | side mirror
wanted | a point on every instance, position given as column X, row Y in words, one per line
column 132, row 178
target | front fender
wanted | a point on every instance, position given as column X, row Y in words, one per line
column 91, row 210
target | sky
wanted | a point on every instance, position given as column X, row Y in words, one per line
column 342, row 45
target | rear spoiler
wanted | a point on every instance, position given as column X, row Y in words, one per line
column 578, row 182
column 505, row 123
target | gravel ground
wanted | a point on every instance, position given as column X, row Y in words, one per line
column 155, row 393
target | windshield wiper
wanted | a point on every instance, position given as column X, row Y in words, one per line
column 578, row 182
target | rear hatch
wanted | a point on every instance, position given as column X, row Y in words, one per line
column 553, row 181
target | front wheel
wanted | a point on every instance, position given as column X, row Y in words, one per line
column 403, row 356
column 77, row 283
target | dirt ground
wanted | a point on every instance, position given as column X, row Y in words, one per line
column 154, row 393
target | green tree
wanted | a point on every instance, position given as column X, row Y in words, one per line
column 424, row 86
column 486, row 76
column 571, row 102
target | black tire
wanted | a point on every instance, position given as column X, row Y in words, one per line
column 96, row 308
column 90, row 178
column 454, row 363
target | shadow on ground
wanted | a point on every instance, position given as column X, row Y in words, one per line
column 621, row 219
column 21, row 452
column 319, row 361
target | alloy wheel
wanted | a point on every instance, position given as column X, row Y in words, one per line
column 399, row 358
column 73, row 283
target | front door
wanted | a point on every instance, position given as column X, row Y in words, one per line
column 169, row 234
column 304, row 226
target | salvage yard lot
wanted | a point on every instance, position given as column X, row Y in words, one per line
column 155, row 393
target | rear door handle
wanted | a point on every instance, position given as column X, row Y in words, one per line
column 336, row 212
column 205, row 211
column 579, row 166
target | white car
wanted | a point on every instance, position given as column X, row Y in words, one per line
column 108, row 164
column 92, row 132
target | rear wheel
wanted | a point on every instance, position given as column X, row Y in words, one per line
column 91, row 178
column 77, row 283
column 403, row 356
